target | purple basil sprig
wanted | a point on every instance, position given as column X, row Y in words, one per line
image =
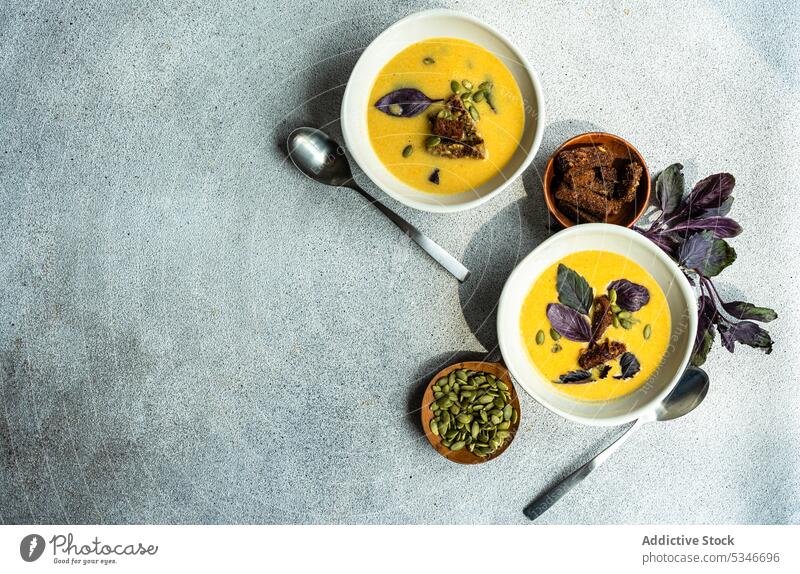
column 692, row 229
column 404, row 103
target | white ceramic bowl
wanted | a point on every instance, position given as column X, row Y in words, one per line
column 682, row 307
column 417, row 27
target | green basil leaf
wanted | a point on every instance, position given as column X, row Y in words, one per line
column 573, row 290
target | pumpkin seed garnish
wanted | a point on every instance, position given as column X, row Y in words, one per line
column 612, row 296
column 478, row 96
column 467, row 84
column 555, row 335
column 455, row 86
column 472, row 410
column 648, row 331
column 395, row 109
column 408, row 150
column 433, row 141
column 555, row 348
column 427, row 60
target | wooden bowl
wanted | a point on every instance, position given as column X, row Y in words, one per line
column 618, row 148
column 464, row 456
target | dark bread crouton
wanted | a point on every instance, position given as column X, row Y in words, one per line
column 458, row 132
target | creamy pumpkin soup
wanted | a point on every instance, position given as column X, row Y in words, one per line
column 447, row 115
column 596, row 325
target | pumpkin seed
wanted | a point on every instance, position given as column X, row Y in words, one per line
column 490, row 101
column 396, row 109
column 457, row 445
column 461, row 374
column 501, row 385
column 427, row 60
column 478, row 96
column 434, row 427
column 616, row 308
column 464, row 418
column 540, row 337
column 648, row 330
column 615, row 321
column 451, row 378
column 507, row 410
column 612, row 295
column 626, row 324
column 476, row 428
column 408, row 150
column 555, row 348
column 455, row 86
column 624, row 315
column 473, row 111
column 487, row 86
column 467, row 84
column 433, row 141
column 555, row 335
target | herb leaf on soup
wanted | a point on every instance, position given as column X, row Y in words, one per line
column 577, row 377
column 630, row 296
column 569, row 323
column 404, row 103
column 629, row 365
column 573, row 290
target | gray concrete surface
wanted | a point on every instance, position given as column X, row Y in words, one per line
column 192, row 332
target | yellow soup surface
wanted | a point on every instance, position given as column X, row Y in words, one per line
column 453, row 59
column 599, row 268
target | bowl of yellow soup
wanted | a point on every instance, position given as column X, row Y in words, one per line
column 597, row 324
column 442, row 112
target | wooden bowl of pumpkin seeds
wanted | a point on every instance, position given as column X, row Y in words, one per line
column 470, row 411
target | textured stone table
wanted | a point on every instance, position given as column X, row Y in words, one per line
column 190, row 331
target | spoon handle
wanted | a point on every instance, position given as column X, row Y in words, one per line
column 432, row 248
column 547, row 499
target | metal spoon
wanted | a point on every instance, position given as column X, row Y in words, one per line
column 684, row 398
column 323, row 160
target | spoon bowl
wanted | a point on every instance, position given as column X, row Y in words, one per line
column 685, row 397
column 318, row 156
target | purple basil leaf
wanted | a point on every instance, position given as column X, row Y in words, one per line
column 569, row 323
column 747, row 333
column 573, row 289
column 721, row 211
column 702, row 346
column 404, row 103
column 726, row 337
column 669, row 189
column 706, row 317
column 695, row 249
column 630, row 296
column 602, row 371
column 711, row 192
column 741, row 310
column 629, row 364
column 575, row 378
column 721, row 227
column 705, row 254
column 668, row 244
